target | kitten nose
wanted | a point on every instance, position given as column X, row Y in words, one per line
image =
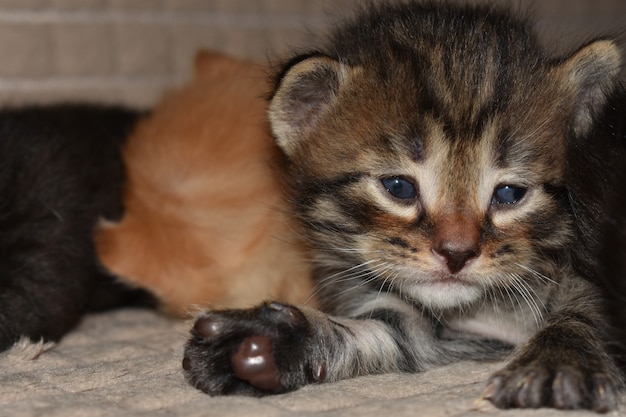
column 456, row 240
column 456, row 260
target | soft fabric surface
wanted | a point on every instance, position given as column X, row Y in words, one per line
column 128, row 363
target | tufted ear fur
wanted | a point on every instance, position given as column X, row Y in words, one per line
column 592, row 72
column 307, row 90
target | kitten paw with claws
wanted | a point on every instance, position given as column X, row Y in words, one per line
column 256, row 351
column 540, row 385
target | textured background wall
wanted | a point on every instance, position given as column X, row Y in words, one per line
column 130, row 50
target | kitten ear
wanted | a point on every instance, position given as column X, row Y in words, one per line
column 306, row 91
column 593, row 73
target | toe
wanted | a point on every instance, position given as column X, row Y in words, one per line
column 254, row 363
column 208, row 326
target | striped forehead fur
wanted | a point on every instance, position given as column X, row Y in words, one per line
column 460, row 79
column 456, row 100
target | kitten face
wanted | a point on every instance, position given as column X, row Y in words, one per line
column 437, row 167
column 443, row 216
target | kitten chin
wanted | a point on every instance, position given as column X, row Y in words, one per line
column 444, row 294
column 439, row 290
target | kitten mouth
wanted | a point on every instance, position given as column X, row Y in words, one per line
column 452, row 283
column 449, row 279
column 439, row 278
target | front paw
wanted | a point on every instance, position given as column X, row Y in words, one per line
column 257, row 351
column 539, row 384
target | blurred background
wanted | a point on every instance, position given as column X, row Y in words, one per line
column 130, row 51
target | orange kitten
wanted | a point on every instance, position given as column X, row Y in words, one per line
column 204, row 223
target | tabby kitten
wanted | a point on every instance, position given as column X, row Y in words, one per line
column 424, row 155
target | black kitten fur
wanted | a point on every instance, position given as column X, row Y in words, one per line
column 597, row 172
column 61, row 171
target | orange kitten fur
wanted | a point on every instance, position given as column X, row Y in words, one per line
column 204, row 222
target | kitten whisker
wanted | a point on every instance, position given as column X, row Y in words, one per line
column 391, row 279
column 364, row 273
column 537, row 274
column 348, row 250
column 362, row 282
column 522, row 289
column 356, row 267
column 505, row 292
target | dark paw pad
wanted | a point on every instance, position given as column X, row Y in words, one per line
column 253, row 362
column 208, row 326
column 257, row 351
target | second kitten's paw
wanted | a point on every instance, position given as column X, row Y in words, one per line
column 567, row 387
column 259, row 351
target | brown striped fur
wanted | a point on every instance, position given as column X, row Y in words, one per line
column 204, row 221
column 425, row 153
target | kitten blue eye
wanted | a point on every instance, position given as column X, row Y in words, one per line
column 399, row 187
column 508, row 194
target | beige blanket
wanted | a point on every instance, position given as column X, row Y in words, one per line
column 128, row 363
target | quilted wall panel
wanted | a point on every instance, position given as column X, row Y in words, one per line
column 129, row 51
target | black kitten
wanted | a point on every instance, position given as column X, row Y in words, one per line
column 61, row 171
column 597, row 176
